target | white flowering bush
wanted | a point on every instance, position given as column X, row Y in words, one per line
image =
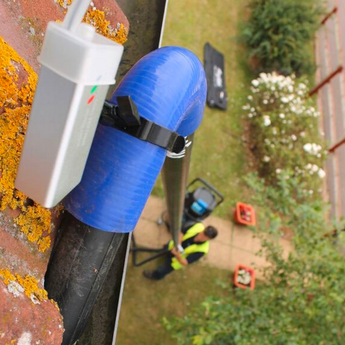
column 283, row 128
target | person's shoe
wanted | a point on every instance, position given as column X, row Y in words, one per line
column 148, row 274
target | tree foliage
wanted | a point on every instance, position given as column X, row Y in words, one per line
column 279, row 34
column 302, row 298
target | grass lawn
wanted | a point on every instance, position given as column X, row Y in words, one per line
column 218, row 156
column 146, row 302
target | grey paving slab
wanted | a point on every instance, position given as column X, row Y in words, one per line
column 226, row 230
column 147, row 233
column 234, row 245
column 220, row 255
column 244, row 240
column 153, row 209
column 238, row 256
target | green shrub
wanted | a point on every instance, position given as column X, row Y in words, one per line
column 283, row 129
column 279, row 35
column 302, row 298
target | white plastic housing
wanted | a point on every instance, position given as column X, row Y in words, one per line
column 82, row 57
column 77, row 69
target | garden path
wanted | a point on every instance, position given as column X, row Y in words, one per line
column 234, row 245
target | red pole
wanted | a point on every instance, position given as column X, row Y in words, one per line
column 329, row 15
column 334, row 147
column 326, row 81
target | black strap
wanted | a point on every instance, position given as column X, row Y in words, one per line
column 125, row 118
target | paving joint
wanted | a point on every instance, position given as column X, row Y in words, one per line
column 228, row 250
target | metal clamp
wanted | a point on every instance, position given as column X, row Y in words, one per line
column 125, row 118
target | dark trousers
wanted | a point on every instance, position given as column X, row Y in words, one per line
column 161, row 271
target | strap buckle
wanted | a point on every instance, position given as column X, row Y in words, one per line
column 125, row 117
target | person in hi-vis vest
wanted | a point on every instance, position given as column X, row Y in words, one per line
column 194, row 244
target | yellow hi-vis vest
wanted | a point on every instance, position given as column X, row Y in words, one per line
column 194, row 248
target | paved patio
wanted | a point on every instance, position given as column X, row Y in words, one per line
column 234, row 245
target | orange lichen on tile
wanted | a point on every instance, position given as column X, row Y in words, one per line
column 28, row 283
column 7, row 276
column 13, row 341
column 33, row 222
column 97, row 19
column 16, row 97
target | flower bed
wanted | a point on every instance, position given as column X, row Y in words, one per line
column 283, row 129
